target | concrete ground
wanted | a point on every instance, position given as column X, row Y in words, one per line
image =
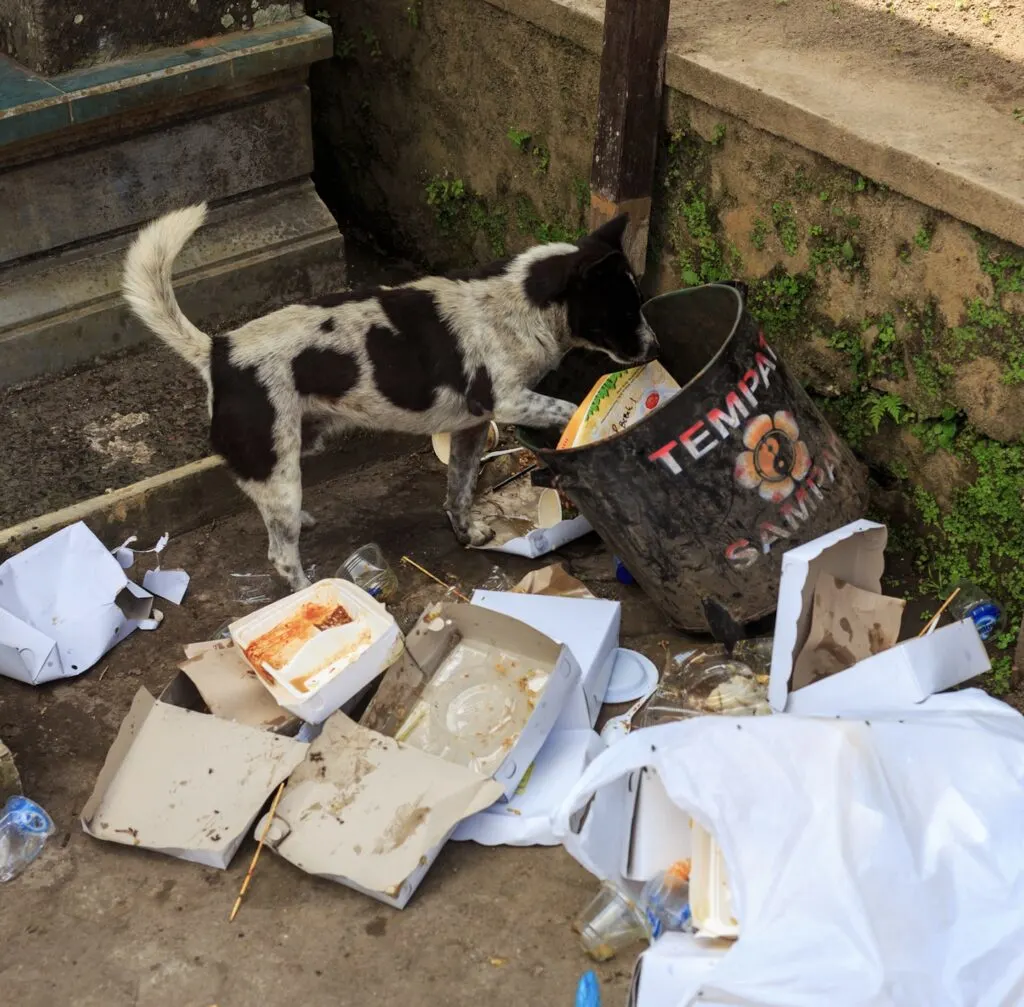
column 94, row 924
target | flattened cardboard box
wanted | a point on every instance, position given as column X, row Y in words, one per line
column 184, row 783
column 370, row 813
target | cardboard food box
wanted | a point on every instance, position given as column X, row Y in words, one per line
column 185, row 783
column 897, row 677
column 588, row 627
column 372, row 814
column 672, row 970
column 526, row 819
column 477, row 687
column 229, row 688
column 319, row 647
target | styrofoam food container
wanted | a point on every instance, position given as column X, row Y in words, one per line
column 334, row 664
column 710, row 896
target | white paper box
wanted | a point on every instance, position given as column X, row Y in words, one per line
column 588, row 627
column 185, row 783
column 525, row 820
column 441, row 630
column 64, row 602
column 673, row 969
column 371, row 814
column 328, row 655
column 899, row 677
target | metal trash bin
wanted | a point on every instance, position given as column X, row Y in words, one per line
column 701, row 498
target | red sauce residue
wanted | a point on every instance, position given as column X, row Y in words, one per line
column 278, row 646
column 652, row 400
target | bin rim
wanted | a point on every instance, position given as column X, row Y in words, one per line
column 685, row 291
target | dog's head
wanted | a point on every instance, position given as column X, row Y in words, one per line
column 597, row 286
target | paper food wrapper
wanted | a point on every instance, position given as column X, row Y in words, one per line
column 618, row 400
column 527, row 520
column 553, row 581
column 848, row 625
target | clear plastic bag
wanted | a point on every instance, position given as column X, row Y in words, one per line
column 706, row 681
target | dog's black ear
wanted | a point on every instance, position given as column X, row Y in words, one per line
column 549, row 279
column 611, row 234
column 607, row 266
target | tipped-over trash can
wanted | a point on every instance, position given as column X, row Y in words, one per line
column 701, row 497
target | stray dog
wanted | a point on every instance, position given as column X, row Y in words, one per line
column 437, row 354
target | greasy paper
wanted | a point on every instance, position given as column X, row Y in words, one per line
column 230, row 688
column 848, row 625
column 363, row 808
column 552, row 581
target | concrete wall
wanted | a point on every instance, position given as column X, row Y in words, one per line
column 907, row 323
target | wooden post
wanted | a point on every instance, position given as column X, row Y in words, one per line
column 629, row 118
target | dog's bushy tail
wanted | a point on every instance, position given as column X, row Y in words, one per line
column 146, row 283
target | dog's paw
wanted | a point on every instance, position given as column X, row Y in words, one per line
column 478, row 534
column 562, row 413
column 306, row 520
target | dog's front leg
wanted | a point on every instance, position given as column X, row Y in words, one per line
column 531, row 409
column 467, row 446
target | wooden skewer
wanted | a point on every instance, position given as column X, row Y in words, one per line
column 938, row 615
column 437, row 580
column 256, row 855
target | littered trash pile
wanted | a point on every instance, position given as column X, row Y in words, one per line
column 790, row 823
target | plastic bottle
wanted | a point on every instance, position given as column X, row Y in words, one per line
column 367, row 568
column 972, row 603
column 24, row 829
column 666, row 899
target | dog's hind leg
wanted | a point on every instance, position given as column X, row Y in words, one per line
column 467, row 446
column 279, row 500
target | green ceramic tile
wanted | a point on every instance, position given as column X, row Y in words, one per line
column 19, row 86
column 148, row 66
column 32, row 120
column 120, row 96
column 302, row 28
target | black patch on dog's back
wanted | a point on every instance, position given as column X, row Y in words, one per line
column 318, row 371
column 242, row 424
column 487, row 272
column 327, row 325
column 480, row 394
column 418, row 355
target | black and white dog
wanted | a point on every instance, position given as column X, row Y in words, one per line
column 438, row 354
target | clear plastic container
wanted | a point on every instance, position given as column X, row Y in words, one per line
column 666, row 899
column 367, row 568
column 611, row 923
column 24, row 829
column 974, row 604
column 702, row 683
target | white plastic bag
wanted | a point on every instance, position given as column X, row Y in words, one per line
column 875, row 861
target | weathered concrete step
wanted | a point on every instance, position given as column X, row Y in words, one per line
column 278, row 246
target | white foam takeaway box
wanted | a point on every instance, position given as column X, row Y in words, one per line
column 673, row 969
column 899, row 677
column 589, row 627
column 336, row 663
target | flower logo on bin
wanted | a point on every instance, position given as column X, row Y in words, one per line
column 775, row 460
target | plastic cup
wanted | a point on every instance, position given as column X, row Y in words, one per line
column 611, row 923
column 367, row 568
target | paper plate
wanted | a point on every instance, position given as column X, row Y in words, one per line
column 633, row 675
